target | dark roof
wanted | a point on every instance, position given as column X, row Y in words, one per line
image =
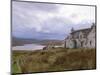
column 85, row 31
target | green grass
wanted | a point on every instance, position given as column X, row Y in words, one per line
column 15, row 69
column 57, row 59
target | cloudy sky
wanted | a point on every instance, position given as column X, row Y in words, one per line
column 49, row 21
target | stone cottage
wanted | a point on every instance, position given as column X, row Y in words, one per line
column 83, row 38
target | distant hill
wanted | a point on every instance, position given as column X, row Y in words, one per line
column 21, row 41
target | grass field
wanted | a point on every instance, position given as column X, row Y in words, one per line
column 58, row 59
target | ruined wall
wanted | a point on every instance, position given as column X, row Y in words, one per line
column 81, row 41
column 91, row 39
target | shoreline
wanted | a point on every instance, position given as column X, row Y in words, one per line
column 28, row 47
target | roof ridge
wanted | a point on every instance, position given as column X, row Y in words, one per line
column 81, row 30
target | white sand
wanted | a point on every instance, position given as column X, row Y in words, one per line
column 28, row 47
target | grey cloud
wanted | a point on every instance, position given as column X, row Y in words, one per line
column 24, row 13
column 25, row 21
column 35, row 6
column 57, row 25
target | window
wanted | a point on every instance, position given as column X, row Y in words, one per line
column 82, row 43
column 80, row 36
column 90, row 42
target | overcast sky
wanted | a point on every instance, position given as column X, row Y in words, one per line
column 49, row 21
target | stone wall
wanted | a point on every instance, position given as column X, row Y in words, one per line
column 91, row 38
column 81, row 41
